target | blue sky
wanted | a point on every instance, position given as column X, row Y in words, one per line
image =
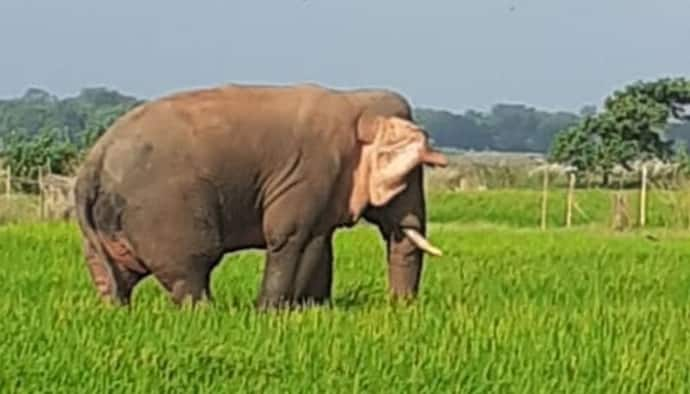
column 451, row 54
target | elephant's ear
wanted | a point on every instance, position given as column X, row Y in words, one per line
column 368, row 128
column 391, row 148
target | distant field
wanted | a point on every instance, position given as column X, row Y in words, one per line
column 522, row 207
column 508, row 309
column 507, row 207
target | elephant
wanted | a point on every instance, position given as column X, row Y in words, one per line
column 179, row 181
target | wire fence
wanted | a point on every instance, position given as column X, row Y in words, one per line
column 55, row 197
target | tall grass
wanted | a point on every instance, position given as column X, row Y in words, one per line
column 505, row 310
column 19, row 208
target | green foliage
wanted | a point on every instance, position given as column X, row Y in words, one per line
column 503, row 311
column 631, row 127
column 39, row 129
column 576, row 147
column 25, row 153
column 38, row 111
column 670, row 95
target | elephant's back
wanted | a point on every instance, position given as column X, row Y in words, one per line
column 238, row 130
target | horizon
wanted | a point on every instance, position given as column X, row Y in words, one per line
column 444, row 56
column 453, row 111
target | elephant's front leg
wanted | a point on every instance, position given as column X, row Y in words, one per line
column 294, row 246
column 297, row 270
column 283, row 254
column 315, row 272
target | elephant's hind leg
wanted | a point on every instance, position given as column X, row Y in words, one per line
column 180, row 241
column 115, row 286
column 182, row 263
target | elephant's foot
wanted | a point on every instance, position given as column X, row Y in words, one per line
column 271, row 304
column 289, row 305
column 190, row 286
column 316, row 290
column 314, row 276
column 313, row 302
column 190, row 293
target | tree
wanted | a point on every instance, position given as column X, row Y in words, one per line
column 673, row 95
column 576, row 147
column 631, row 127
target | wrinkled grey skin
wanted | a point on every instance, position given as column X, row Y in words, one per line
column 178, row 182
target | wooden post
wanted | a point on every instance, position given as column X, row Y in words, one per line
column 643, row 197
column 544, row 198
column 620, row 217
column 41, row 198
column 8, row 182
column 569, row 208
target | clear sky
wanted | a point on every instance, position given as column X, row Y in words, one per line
column 452, row 54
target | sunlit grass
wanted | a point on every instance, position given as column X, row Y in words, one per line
column 505, row 310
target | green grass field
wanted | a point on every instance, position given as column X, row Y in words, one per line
column 522, row 207
column 508, row 309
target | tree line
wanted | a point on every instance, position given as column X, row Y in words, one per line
column 644, row 119
column 40, row 129
column 516, row 127
column 506, row 128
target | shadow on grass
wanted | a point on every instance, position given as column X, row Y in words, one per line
column 150, row 295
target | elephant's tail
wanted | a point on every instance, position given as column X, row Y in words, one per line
column 86, row 193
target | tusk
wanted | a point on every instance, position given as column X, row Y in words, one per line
column 434, row 159
column 421, row 242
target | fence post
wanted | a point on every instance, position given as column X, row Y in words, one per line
column 544, row 198
column 8, row 182
column 643, row 196
column 571, row 191
column 41, row 199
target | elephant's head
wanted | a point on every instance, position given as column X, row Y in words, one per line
column 393, row 151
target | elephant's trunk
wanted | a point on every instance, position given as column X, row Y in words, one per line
column 405, row 263
column 403, row 225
